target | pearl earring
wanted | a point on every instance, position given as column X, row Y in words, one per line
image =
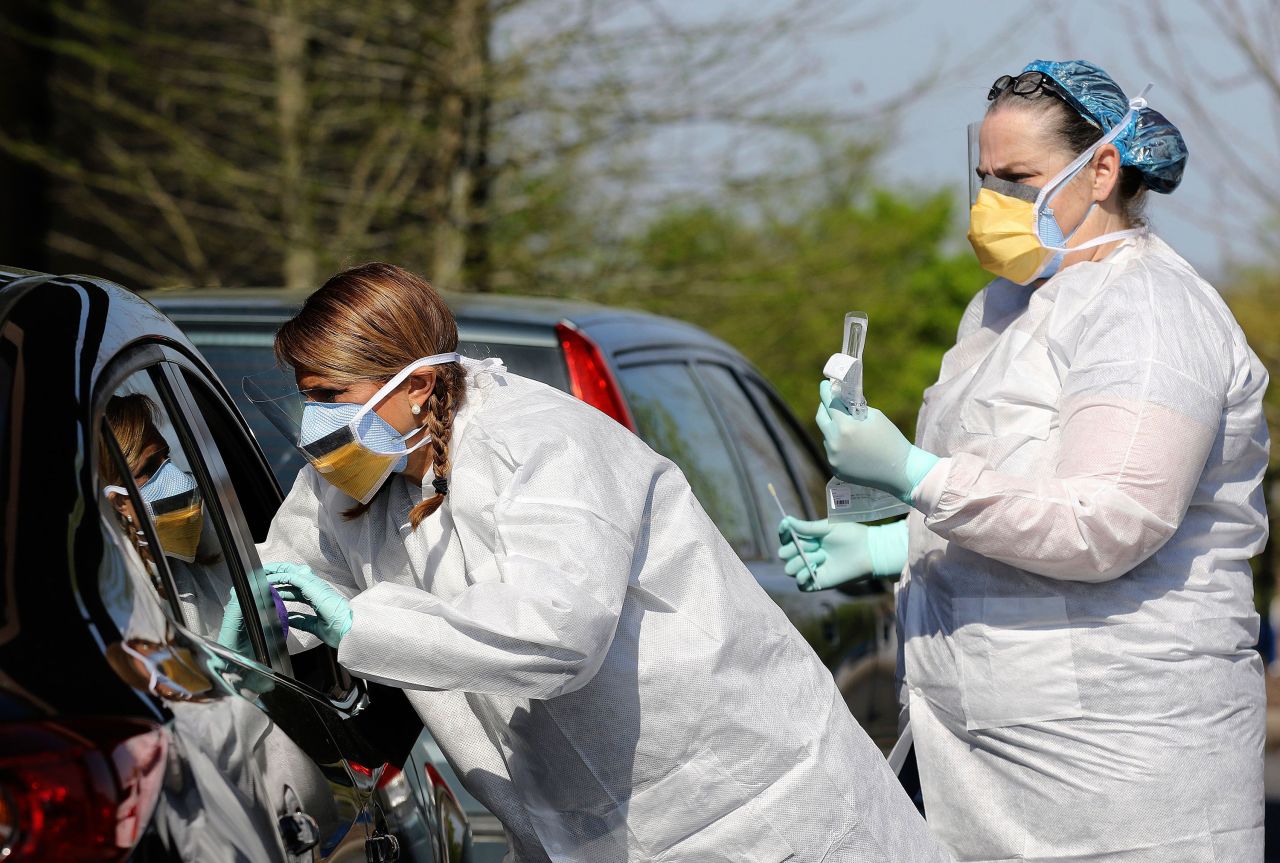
column 415, row 409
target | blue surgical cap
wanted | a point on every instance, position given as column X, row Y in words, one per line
column 1151, row 144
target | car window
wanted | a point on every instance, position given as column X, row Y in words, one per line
column 764, row 463
column 153, row 498
column 251, row 502
column 538, row 362
column 813, row 476
column 673, row 417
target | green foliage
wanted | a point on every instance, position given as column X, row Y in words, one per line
column 1252, row 296
column 776, row 286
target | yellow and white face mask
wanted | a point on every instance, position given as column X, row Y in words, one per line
column 176, row 509
column 1012, row 227
column 348, row 444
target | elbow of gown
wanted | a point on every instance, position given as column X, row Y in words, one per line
column 1079, row 529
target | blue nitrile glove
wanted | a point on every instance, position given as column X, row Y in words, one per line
column 232, row 635
column 871, row 451
column 842, row 552
column 297, row 583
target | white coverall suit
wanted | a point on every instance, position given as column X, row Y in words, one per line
column 595, row 661
column 1077, row 614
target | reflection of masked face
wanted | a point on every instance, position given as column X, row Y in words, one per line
column 170, row 670
column 176, row 511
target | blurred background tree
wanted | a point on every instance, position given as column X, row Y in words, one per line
column 239, row 142
column 773, row 267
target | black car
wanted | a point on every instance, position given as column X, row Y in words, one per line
column 148, row 707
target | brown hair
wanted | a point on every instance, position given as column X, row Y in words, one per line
column 1075, row 133
column 132, row 421
column 366, row 324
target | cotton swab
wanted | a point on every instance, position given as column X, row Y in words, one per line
column 813, row 575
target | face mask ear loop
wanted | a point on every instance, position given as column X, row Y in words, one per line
column 389, row 387
column 1056, row 185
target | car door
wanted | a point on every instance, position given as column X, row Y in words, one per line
column 257, row 766
column 371, row 728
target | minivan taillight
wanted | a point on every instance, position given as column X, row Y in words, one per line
column 589, row 376
column 78, row 790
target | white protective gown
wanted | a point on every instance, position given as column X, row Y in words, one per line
column 1077, row 614
column 595, row 661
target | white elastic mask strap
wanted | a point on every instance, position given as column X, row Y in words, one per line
column 153, row 666
column 390, row 386
column 1061, row 179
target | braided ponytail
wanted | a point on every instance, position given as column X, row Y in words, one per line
column 440, row 411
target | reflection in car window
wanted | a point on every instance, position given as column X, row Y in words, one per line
column 764, row 463
column 813, row 479
column 674, row 419
column 162, row 489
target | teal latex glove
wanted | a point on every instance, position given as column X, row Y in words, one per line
column 842, row 552
column 233, row 635
column 871, row 451
column 296, row 583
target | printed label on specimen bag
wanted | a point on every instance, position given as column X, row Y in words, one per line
column 849, row 502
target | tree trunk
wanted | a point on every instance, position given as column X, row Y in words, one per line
column 460, row 147
column 289, row 45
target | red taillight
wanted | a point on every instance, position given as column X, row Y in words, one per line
column 437, row 781
column 589, row 376
column 78, row 790
column 390, row 773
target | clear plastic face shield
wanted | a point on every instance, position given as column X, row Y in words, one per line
column 973, row 133
column 348, row 444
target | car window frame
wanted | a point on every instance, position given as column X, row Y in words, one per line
column 346, row 695
column 150, row 359
column 764, row 519
column 780, row 410
column 234, row 531
column 203, row 456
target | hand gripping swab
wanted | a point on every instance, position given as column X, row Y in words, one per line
column 813, row 574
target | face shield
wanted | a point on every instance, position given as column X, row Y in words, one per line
column 973, row 133
column 348, row 444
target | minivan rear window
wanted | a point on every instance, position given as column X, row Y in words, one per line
column 673, row 417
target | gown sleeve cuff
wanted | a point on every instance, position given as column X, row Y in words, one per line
column 929, row 491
